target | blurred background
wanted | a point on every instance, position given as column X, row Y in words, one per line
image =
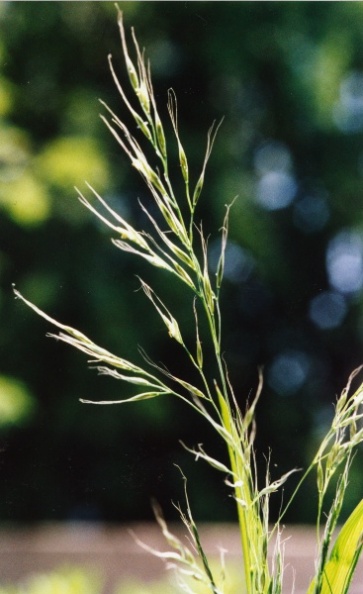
column 288, row 77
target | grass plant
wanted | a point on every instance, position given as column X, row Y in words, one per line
column 178, row 246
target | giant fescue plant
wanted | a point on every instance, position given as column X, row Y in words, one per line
column 177, row 245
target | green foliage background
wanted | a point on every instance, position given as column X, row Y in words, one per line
column 279, row 73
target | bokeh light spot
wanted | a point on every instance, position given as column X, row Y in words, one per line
column 16, row 404
column 67, row 161
column 276, row 190
column 344, row 262
column 327, row 310
column 348, row 111
column 272, row 156
column 288, row 372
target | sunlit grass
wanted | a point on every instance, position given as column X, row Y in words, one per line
column 177, row 246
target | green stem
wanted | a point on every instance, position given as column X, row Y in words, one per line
column 241, row 491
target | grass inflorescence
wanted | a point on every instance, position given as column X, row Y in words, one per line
column 176, row 244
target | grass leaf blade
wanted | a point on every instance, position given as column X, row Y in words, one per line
column 339, row 570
